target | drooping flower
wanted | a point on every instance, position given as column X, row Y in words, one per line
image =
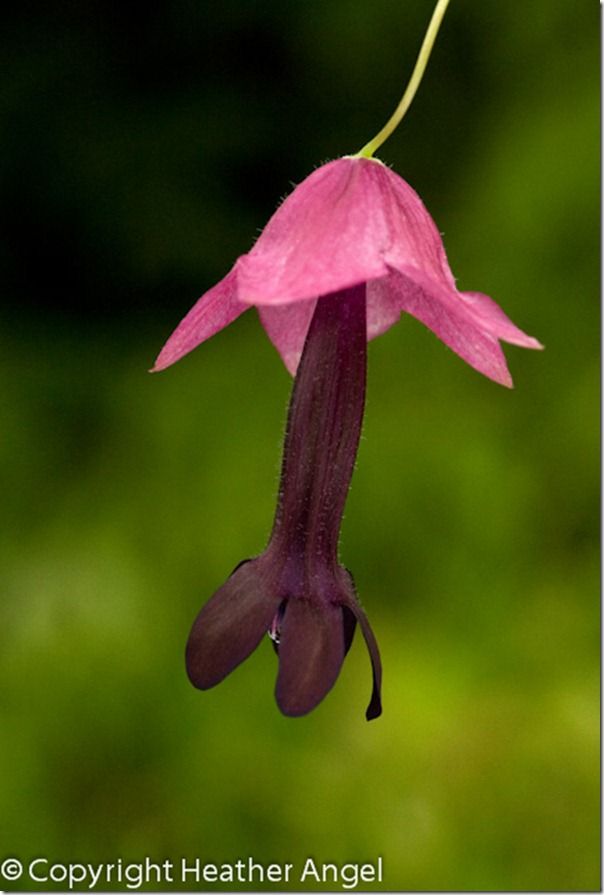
column 352, row 221
column 349, row 251
column 297, row 590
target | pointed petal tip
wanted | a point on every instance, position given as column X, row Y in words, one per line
column 158, row 366
column 216, row 308
column 524, row 342
column 287, row 327
column 167, row 356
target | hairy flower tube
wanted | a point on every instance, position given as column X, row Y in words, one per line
column 296, row 590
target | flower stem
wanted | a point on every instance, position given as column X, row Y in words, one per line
column 418, row 72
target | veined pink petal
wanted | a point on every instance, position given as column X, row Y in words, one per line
column 449, row 318
column 469, row 322
column 489, row 314
column 351, row 221
column 215, row 309
column 343, row 225
column 413, row 238
column 383, row 309
column 327, row 235
column 286, row 327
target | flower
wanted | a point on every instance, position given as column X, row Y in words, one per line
column 347, row 253
column 352, row 221
column 296, row 590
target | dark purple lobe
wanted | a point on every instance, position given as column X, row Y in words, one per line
column 230, row 626
column 311, row 653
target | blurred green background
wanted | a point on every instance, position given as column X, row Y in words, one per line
column 143, row 150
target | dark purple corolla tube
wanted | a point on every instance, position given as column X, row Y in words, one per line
column 296, row 591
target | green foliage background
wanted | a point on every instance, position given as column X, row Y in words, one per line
column 143, row 151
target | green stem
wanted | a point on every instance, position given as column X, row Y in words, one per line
column 418, row 73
